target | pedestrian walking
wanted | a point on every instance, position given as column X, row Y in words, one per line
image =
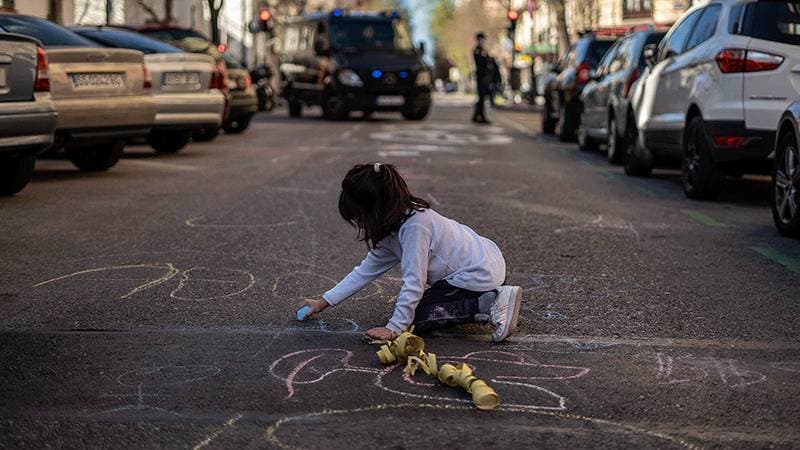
column 464, row 271
column 483, row 77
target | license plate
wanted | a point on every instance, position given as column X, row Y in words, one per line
column 390, row 100
column 97, row 80
column 181, row 78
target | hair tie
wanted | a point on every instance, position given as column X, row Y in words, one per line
column 377, row 167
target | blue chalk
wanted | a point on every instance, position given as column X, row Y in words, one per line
column 301, row 313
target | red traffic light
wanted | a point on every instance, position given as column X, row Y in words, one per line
column 264, row 15
column 512, row 15
column 222, row 47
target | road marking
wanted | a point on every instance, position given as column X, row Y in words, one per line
column 217, row 432
column 704, row 219
column 161, row 165
column 790, row 262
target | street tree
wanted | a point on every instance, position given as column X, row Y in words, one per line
column 215, row 8
column 153, row 16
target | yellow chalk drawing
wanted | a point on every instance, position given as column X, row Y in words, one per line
column 410, row 349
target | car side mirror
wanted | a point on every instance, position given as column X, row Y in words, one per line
column 650, row 51
column 421, row 47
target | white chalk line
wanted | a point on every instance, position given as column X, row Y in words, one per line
column 161, row 165
column 192, row 224
column 185, row 279
column 218, row 431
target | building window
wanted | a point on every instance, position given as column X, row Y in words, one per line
column 9, row 4
column 633, row 9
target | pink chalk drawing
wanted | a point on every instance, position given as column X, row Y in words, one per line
column 513, row 376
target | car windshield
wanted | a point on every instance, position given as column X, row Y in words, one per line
column 127, row 39
column 50, row 34
column 774, row 20
column 364, row 34
column 186, row 40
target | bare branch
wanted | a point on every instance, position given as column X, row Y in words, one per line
column 149, row 11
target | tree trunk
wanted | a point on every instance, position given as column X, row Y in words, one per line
column 168, row 17
column 215, row 9
column 560, row 12
column 54, row 11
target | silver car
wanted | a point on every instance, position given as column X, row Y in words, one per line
column 185, row 102
column 27, row 116
column 101, row 94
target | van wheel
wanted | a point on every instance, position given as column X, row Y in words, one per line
column 169, row 141
column 786, row 187
column 206, row 134
column 700, row 175
column 15, row 173
column 416, row 114
column 333, row 108
column 615, row 142
column 295, row 108
column 637, row 160
column 95, row 158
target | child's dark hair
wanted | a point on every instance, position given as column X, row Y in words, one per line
column 375, row 199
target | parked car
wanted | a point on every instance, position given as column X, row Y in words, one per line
column 785, row 193
column 562, row 105
column 353, row 62
column 244, row 99
column 720, row 80
column 101, row 94
column 185, row 101
column 606, row 98
column 192, row 41
column 27, row 115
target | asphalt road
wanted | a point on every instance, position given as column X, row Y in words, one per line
column 152, row 305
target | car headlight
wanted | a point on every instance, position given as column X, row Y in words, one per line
column 423, row 78
column 349, row 78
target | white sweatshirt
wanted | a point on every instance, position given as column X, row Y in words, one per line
column 429, row 248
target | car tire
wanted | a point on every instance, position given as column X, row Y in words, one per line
column 333, row 108
column 636, row 159
column 295, row 107
column 785, row 192
column 96, row 158
column 585, row 142
column 417, row 114
column 206, row 134
column 167, row 142
column 15, row 173
column 237, row 125
column 615, row 142
column 700, row 176
column 548, row 124
column 567, row 122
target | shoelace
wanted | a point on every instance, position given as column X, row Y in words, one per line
column 410, row 349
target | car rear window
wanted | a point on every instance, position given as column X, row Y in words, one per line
column 187, row 40
column 50, row 34
column 127, row 39
column 773, row 20
column 596, row 50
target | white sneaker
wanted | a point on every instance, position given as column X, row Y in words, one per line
column 505, row 312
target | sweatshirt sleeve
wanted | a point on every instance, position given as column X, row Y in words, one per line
column 377, row 262
column 415, row 241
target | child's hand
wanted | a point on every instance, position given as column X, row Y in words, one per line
column 315, row 305
column 381, row 333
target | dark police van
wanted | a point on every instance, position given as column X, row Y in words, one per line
column 347, row 62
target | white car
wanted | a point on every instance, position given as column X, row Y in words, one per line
column 714, row 91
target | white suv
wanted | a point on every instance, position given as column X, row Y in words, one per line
column 714, row 91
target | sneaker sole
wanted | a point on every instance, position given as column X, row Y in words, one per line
column 512, row 326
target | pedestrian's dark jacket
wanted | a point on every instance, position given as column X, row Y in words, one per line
column 483, row 73
column 496, row 77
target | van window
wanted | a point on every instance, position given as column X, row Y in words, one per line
column 706, row 26
column 776, row 21
column 292, row 39
column 370, row 34
column 676, row 39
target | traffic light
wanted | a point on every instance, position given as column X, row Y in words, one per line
column 262, row 22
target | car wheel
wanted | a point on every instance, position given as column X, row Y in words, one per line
column 237, row 125
column 15, row 173
column 700, row 175
column 567, row 122
column 785, row 193
column 548, row 124
column 94, row 158
column 169, row 141
column 417, row 114
column 206, row 134
column 295, row 108
column 269, row 104
column 637, row 160
column 585, row 142
column 615, row 142
column 333, row 108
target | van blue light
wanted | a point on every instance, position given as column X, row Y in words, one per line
column 337, row 12
column 404, row 74
column 376, row 74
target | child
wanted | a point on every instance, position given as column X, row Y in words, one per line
column 464, row 270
